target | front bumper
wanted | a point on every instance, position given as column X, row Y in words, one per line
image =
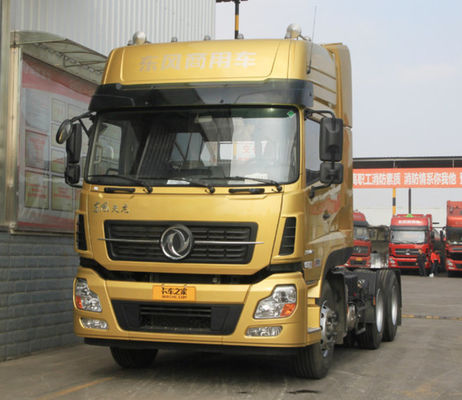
column 245, row 297
column 452, row 265
column 405, row 263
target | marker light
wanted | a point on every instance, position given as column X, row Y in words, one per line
column 294, row 31
column 280, row 304
column 139, row 38
column 85, row 299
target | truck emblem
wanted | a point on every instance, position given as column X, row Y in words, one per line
column 176, row 242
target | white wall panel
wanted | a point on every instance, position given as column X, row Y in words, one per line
column 104, row 24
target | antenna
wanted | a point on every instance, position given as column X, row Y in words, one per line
column 312, row 40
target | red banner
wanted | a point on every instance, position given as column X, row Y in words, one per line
column 407, row 178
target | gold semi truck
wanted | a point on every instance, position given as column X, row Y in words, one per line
column 216, row 205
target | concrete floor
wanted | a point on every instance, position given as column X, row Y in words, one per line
column 424, row 362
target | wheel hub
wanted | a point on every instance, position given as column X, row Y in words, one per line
column 328, row 322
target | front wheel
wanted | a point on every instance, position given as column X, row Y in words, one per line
column 314, row 361
column 133, row 358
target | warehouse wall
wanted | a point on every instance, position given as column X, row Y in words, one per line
column 36, row 274
column 102, row 25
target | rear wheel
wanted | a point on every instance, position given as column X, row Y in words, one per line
column 372, row 337
column 133, row 358
column 392, row 307
column 314, row 361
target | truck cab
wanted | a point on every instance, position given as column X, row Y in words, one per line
column 216, row 204
column 453, row 237
column 410, row 233
column 361, row 256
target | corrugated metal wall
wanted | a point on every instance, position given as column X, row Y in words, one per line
column 104, row 24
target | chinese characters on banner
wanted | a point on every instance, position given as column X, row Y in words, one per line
column 407, row 178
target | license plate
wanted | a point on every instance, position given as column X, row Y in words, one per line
column 359, row 258
column 174, row 293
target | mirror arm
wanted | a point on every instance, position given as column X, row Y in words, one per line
column 88, row 114
column 84, row 128
column 309, row 112
column 314, row 188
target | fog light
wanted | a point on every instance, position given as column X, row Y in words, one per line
column 93, row 323
column 280, row 304
column 85, row 299
column 264, row 331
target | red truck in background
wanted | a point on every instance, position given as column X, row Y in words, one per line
column 409, row 233
column 453, row 237
column 361, row 256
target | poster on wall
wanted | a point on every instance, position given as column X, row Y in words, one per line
column 48, row 96
column 37, row 148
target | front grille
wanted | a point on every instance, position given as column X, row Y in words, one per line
column 407, row 264
column 455, row 256
column 360, row 250
column 128, row 245
column 187, row 318
column 407, row 252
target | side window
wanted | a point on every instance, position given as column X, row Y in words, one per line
column 312, row 161
column 107, row 150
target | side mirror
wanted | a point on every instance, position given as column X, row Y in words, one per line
column 331, row 173
column 331, row 139
column 64, row 131
column 72, row 174
column 73, row 149
column 74, row 144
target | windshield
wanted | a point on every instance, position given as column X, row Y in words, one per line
column 417, row 237
column 360, row 233
column 218, row 146
column 454, row 235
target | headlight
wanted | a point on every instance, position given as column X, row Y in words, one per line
column 280, row 304
column 85, row 299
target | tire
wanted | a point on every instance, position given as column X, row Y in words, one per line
column 314, row 361
column 133, row 358
column 392, row 307
column 372, row 337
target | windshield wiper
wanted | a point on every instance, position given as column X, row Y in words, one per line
column 262, row 180
column 211, row 188
column 135, row 181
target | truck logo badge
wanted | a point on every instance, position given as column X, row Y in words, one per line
column 176, row 242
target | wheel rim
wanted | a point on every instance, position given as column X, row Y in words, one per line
column 328, row 324
column 379, row 310
column 394, row 305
